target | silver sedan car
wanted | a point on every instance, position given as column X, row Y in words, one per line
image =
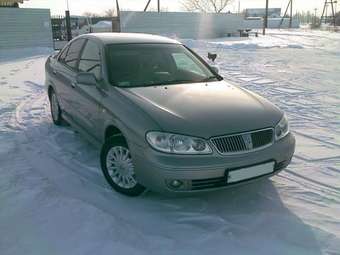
column 164, row 119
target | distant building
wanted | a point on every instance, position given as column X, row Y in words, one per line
column 261, row 12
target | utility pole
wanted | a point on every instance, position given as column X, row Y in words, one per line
column 158, row 5
column 291, row 14
column 116, row 20
column 290, row 4
column 265, row 21
column 325, row 7
column 147, row 5
column 118, row 9
column 315, row 10
column 68, row 22
column 239, row 7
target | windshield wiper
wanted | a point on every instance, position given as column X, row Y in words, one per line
column 161, row 83
column 210, row 78
column 176, row 82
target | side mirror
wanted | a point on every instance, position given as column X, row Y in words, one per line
column 86, row 79
column 215, row 69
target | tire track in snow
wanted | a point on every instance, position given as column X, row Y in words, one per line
column 38, row 132
column 237, row 77
column 310, row 184
column 71, row 177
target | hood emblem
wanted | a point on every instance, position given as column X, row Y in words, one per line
column 248, row 141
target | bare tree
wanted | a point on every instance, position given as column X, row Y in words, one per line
column 216, row 6
column 90, row 14
column 110, row 13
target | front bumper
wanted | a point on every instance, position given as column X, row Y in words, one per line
column 155, row 170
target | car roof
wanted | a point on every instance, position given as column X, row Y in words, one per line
column 129, row 38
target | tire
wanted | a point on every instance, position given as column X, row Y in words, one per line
column 118, row 168
column 55, row 109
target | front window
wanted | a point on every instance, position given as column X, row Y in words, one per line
column 138, row 65
column 89, row 61
column 70, row 58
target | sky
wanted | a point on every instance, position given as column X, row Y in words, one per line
column 78, row 7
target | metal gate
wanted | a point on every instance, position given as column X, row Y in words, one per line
column 81, row 25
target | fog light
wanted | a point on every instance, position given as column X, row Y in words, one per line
column 176, row 183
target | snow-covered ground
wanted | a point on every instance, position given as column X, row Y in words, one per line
column 54, row 200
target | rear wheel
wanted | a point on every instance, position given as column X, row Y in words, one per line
column 118, row 167
column 55, row 109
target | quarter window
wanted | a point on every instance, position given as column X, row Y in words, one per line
column 90, row 60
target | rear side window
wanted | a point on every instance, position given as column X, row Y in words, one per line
column 73, row 53
column 90, row 60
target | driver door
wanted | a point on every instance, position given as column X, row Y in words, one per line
column 87, row 102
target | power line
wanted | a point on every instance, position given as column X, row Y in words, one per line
column 324, row 16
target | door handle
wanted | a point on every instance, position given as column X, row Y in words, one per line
column 74, row 84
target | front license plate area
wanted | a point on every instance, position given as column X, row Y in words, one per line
column 248, row 173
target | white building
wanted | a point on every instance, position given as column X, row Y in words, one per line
column 181, row 24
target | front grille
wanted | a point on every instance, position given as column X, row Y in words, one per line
column 208, row 183
column 243, row 142
column 220, row 182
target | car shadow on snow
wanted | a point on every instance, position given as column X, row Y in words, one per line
column 252, row 217
column 249, row 219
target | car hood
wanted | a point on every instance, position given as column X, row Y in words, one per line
column 205, row 109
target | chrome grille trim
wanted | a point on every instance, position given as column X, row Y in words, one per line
column 243, row 142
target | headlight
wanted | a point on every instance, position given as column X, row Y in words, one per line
column 282, row 129
column 177, row 144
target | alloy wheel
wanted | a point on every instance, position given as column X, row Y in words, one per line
column 120, row 167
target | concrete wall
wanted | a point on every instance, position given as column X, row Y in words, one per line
column 25, row 28
column 272, row 23
column 180, row 24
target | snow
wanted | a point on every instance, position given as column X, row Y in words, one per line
column 54, row 200
column 295, row 38
column 103, row 24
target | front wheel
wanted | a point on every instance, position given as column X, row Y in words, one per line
column 118, row 167
column 55, row 109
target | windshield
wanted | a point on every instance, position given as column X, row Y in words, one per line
column 138, row 65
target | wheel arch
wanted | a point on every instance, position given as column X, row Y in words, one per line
column 49, row 91
column 112, row 130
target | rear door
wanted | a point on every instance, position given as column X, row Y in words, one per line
column 65, row 72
